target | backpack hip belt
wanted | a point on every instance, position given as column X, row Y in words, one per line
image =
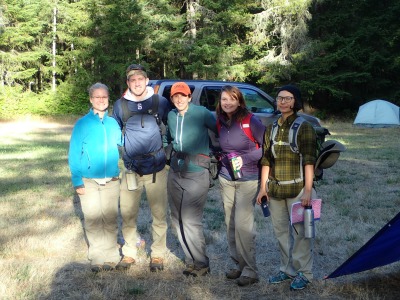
column 283, row 182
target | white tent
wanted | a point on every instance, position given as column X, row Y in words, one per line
column 378, row 113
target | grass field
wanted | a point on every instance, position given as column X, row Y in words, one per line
column 43, row 251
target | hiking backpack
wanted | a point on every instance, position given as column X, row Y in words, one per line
column 127, row 114
column 327, row 152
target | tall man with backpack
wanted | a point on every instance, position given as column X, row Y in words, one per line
column 140, row 113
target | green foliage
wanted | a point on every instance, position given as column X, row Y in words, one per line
column 67, row 100
column 351, row 62
column 340, row 54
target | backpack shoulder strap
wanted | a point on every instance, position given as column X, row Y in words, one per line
column 293, row 132
column 126, row 113
column 218, row 126
column 245, row 125
column 274, row 131
column 154, row 108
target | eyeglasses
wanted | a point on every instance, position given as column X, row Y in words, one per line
column 100, row 97
column 284, row 99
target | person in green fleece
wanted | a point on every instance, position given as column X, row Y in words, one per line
column 188, row 177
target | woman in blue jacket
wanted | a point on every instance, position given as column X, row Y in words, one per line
column 93, row 161
column 240, row 133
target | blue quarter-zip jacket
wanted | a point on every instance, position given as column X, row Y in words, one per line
column 93, row 149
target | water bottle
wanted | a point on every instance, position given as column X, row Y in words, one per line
column 131, row 181
column 309, row 229
column 237, row 173
column 264, row 206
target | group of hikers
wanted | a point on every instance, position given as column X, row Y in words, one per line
column 166, row 149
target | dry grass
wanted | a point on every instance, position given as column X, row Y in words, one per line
column 43, row 252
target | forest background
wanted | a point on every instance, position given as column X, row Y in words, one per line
column 341, row 53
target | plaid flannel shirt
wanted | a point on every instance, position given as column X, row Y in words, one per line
column 286, row 166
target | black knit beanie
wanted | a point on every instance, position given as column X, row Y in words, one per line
column 298, row 104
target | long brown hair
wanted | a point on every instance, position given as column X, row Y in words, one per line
column 235, row 93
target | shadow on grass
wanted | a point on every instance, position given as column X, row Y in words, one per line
column 368, row 286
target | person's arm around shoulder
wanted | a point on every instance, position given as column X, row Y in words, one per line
column 166, row 106
column 258, row 130
column 117, row 113
column 210, row 120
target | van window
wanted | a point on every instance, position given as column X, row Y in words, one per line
column 257, row 102
column 209, row 97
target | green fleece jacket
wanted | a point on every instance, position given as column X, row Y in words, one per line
column 189, row 136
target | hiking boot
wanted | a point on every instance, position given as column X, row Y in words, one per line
column 197, row 272
column 245, row 281
column 108, row 266
column 280, row 277
column 96, row 268
column 189, row 269
column 233, row 274
column 125, row 263
column 156, row 264
column 299, row 282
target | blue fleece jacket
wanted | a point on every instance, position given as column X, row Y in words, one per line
column 93, row 148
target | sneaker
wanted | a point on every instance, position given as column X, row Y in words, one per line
column 299, row 282
column 280, row 277
column 245, row 281
column 233, row 274
column 197, row 272
column 156, row 264
column 189, row 269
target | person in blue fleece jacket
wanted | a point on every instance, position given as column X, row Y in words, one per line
column 93, row 161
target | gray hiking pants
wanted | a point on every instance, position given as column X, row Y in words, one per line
column 187, row 197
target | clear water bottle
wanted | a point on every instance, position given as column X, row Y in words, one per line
column 309, row 229
column 237, row 173
column 264, row 206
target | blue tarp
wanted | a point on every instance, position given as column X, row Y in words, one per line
column 382, row 249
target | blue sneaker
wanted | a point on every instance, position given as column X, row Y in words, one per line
column 280, row 277
column 299, row 282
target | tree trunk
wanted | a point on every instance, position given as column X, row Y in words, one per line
column 54, row 47
column 191, row 19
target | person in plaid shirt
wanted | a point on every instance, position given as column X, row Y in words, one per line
column 286, row 178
